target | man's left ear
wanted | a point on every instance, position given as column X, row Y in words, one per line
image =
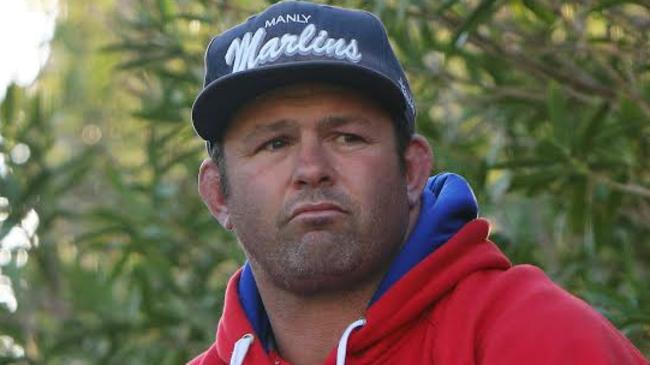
column 418, row 160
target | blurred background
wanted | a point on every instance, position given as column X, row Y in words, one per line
column 107, row 255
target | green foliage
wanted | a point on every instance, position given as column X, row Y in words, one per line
column 543, row 106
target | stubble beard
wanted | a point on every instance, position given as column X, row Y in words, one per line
column 327, row 255
column 319, row 260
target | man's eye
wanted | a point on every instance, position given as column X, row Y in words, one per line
column 347, row 138
column 274, row 144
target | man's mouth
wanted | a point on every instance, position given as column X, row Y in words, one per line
column 321, row 210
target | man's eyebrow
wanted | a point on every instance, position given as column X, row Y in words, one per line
column 333, row 121
column 328, row 122
column 278, row 125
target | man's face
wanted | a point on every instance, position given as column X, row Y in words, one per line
column 317, row 197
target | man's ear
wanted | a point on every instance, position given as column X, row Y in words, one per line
column 418, row 160
column 211, row 193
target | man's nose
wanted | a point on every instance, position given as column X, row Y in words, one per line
column 313, row 167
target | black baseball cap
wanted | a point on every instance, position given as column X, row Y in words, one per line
column 294, row 42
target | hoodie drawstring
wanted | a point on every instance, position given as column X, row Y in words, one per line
column 343, row 342
column 243, row 344
column 240, row 349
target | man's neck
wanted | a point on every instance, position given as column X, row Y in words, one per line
column 306, row 329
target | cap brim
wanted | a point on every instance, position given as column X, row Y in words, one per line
column 215, row 105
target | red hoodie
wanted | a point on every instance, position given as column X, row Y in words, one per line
column 464, row 304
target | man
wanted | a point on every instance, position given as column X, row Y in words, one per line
column 354, row 255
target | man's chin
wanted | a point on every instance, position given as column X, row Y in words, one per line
column 321, row 237
column 320, row 262
column 320, row 285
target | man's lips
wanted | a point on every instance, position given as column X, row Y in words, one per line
column 316, row 210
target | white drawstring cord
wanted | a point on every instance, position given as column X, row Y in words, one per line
column 243, row 344
column 343, row 342
column 240, row 349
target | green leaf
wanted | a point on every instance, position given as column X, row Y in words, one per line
column 9, row 105
column 446, row 4
column 481, row 14
column 167, row 10
column 606, row 4
column 593, row 126
column 540, row 11
column 557, row 107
